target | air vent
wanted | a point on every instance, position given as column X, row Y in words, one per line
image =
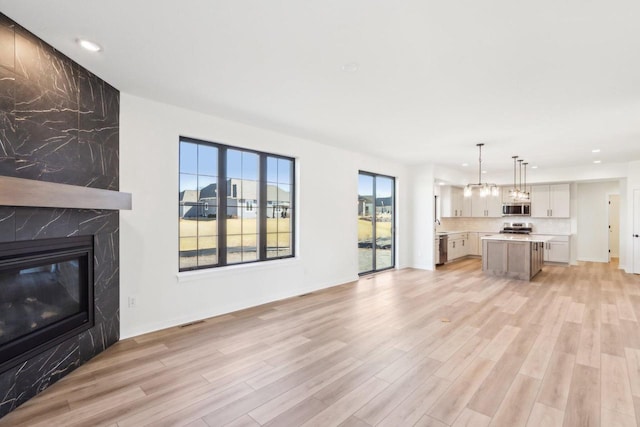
column 186, row 325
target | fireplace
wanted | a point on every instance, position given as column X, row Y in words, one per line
column 46, row 295
column 59, row 177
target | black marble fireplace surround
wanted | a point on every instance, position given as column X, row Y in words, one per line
column 58, row 123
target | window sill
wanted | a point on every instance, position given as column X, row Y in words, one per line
column 191, row 276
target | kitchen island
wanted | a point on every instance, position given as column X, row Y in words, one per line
column 513, row 256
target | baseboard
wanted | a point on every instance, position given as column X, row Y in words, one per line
column 592, row 260
column 423, row 267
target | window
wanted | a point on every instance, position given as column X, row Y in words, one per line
column 235, row 206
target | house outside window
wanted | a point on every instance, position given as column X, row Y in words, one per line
column 235, row 205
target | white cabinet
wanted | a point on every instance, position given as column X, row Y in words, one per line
column 506, row 194
column 551, row 201
column 494, row 207
column 540, row 201
column 557, row 249
column 466, row 206
column 560, row 200
column 473, row 244
column 458, row 246
column 453, row 252
column 457, row 199
column 453, row 203
column 464, row 246
column 478, row 205
column 485, row 207
column 557, row 252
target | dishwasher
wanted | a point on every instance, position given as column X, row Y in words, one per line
column 441, row 256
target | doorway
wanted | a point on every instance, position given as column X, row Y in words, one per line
column 614, row 226
column 376, row 222
column 636, row 231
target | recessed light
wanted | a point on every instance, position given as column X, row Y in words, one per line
column 595, row 150
column 465, row 164
column 597, row 161
column 350, row 67
column 89, row 45
column 484, row 171
column 534, row 167
column 441, row 183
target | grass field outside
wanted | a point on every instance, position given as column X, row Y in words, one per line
column 384, row 255
column 240, row 232
column 365, row 230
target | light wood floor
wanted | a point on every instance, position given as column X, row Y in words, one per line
column 409, row 347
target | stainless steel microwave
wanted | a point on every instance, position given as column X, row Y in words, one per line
column 516, row 209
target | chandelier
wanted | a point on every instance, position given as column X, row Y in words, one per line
column 484, row 189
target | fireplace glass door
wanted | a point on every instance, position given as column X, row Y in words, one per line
column 46, row 294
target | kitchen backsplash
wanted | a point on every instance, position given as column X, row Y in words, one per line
column 540, row 225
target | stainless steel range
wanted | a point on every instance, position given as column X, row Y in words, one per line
column 517, row 228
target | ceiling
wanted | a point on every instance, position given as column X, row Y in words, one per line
column 416, row 81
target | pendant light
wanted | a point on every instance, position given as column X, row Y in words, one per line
column 484, row 189
column 520, row 178
column 525, row 194
column 517, row 193
column 514, row 191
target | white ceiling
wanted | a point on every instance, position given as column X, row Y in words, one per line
column 547, row 80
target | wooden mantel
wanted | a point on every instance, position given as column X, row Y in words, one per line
column 42, row 194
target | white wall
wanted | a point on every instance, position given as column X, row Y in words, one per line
column 593, row 220
column 423, row 225
column 327, row 251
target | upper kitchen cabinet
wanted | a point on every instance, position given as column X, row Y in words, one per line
column 506, row 195
column 453, row 203
column 485, row 207
column 551, row 201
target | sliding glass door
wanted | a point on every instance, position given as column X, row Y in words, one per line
column 376, row 219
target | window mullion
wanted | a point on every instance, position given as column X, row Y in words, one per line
column 222, row 206
column 375, row 224
column 262, row 208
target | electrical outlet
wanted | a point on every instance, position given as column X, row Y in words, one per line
column 132, row 302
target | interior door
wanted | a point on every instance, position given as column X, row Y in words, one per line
column 636, row 231
column 614, row 226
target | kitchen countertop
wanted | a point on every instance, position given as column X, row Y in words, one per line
column 535, row 233
column 444, row 233
column 519, row 237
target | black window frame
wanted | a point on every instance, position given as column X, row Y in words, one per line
column 222, row 193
